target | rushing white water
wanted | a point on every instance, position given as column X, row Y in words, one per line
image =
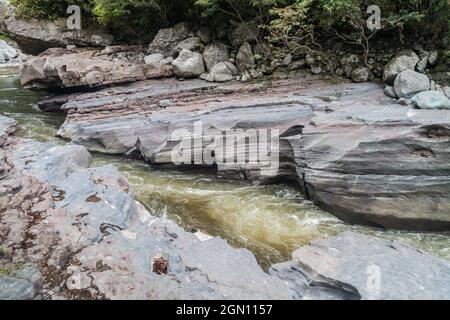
column 271, row 221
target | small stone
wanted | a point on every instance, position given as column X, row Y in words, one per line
column 164, row 103
column 389, row 91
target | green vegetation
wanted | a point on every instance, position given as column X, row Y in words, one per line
column 291, row 23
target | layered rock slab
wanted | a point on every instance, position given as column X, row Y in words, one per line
column 354, row 153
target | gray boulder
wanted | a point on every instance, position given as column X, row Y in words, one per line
column 431, row 100
column 154, row 59
column 408, row 83
column 360, row 74
column 215, row 53
column 433, row 58
column 349, row 63
column 7, row 53
column 405, row 60
column 166, row 40
column 191, row 43
column 244, row 58
column 189, row 64
column 222, row 72
column 356, row 266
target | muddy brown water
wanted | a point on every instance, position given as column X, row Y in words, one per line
column 271, row 221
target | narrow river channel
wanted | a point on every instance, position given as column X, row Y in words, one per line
column 271, row 221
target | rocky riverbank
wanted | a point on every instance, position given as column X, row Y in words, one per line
column 69, row 231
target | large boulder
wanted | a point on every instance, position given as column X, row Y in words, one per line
column 189, row 64
column 166, row 40
column 431, row 100
column 7, row 53
column 356, row 266
column 244, row 58
column 215, row 53
column 34, row 36
column 408, row 83
column 64, row 68
column 405, row 60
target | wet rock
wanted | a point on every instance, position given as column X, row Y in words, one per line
column 356, row 266
column 189, row 64
column 408, row 83
column 166, row 40
column 244, row 58
column 215, row 53
column 431, row 100
column 361, row 74
column 222, row 72
column 405, row 60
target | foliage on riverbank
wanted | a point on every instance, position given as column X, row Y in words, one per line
column 286, row 22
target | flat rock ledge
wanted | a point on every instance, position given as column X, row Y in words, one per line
column 353, row 151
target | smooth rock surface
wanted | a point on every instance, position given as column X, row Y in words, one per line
column 431, row 100
column 356, row 266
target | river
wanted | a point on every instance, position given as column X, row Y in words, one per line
column 271, row 221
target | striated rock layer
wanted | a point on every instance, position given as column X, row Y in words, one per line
column 353, row 152
column 74, row 68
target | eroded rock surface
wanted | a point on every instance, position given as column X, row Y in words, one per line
column 68, row 68
column 354, row 152
column 355, row 266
